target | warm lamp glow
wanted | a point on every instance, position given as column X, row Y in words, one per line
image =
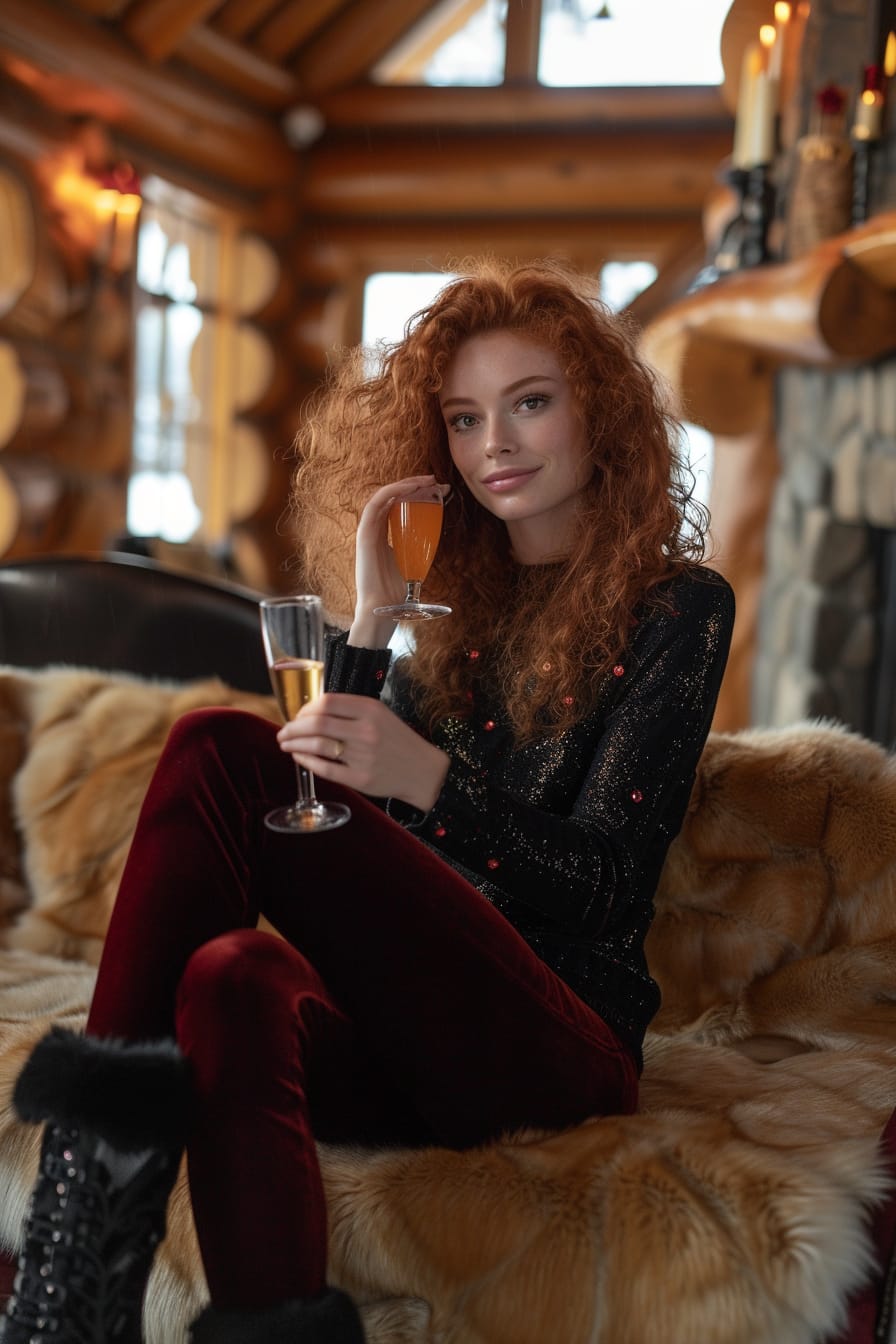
column 890, row 56
column 767, row 35
column 782, row 11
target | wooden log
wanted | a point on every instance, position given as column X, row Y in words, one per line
column 347, row 248
column 34, row 396
column 824, row 308
column 718, row 348
column 259, row 376
column 238, row 68
column 744, row 475
column 522, row 40
column 264, row 288
column 724, row 387
column 17, row 229
column 872, row 248
column 251, row 472
column 287, row 28
column 486, row 175
column 524, row 106
column 34, row 503
column 156, row 27
column 320, row 326
column 264, row 556
column 174, row 115
column 343, row 53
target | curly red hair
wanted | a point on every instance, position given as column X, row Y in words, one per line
column 557, row 628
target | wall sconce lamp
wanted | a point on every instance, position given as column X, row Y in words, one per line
column 94, row 199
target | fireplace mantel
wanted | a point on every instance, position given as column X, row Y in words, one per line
column 719, row 347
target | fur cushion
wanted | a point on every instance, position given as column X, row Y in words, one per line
column 732, row 1207
column 85, row 744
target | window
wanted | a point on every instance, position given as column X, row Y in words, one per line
column 198, row 462
column 177, row 258
column 580, row 48
column 583, row 43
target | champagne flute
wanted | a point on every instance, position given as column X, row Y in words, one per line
column 415, row 525
column 293, row 632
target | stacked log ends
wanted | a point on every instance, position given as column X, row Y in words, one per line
column 65, row 351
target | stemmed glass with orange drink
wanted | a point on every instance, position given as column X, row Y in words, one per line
column 415, row 525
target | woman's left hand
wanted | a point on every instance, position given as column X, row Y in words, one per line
column 358, row 741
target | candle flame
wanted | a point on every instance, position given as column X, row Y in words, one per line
column 782, row 11
column 871, row 98
column 890, row 57
column 767, row 35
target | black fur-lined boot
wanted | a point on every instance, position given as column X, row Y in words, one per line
column 331, row 1318
column 115, row 1122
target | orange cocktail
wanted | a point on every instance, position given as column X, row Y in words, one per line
column 415, row 526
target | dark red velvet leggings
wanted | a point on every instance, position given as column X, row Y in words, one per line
column 400, row 1007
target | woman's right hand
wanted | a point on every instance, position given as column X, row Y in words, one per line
column 377, row 580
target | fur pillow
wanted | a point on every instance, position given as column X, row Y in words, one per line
column 776, row 909
column 77, row 750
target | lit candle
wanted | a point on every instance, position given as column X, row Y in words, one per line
column 869, row 116
column 782, row 28
column 761, row 140
column 751, row 68
column 771, row 48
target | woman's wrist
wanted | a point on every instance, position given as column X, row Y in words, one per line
column 425, row 785
column 370, row 632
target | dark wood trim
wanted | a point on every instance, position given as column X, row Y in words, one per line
column 171, row 114
column 343, row 52
column 494, row 173
column 392, row 106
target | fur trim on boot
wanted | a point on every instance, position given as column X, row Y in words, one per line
column 133, row 1096
column 115, row 1122
column 331, row 1318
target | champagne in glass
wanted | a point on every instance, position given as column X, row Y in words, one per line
column 415, row 525
column 293, row 632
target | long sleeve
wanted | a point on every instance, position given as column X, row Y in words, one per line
column 352, row 670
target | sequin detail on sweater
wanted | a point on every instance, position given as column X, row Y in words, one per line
column 567, row 835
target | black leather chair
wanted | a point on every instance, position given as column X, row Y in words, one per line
column 125, row 613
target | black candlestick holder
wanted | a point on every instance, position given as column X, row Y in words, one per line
column 862, row 172
column 744, row 242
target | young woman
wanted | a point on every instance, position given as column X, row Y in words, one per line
column 466, row 955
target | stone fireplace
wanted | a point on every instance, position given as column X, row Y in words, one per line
column 826, row 643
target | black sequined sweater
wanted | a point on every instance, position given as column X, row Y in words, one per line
column 567, row 835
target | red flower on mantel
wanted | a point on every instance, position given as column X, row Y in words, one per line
column 831, row 100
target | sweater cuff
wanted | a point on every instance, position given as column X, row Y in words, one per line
column 355, row 671
column 408, row 816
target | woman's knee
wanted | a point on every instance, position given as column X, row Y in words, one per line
column 227, row 731
column 239, row 1006
column 241, row 974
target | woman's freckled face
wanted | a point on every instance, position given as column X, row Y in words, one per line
column 516, row 438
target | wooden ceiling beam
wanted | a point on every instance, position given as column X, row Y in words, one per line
column 156, row 27
column 238, row 68
column 344, row 51
column 291, row 25
column 167, row 113
column 329, row 250
column 522, row 41
column 388, row 106
column 102, row 9
column 237, row 18
column 493, row 174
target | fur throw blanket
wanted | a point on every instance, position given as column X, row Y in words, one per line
column 732, row 1208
